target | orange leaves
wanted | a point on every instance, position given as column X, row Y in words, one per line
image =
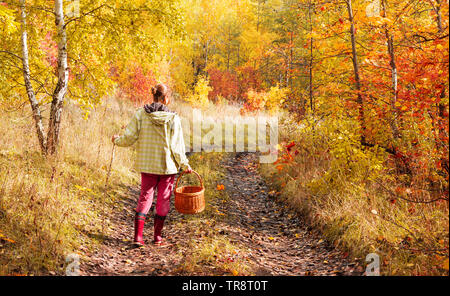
column 399, row 190
column 3, row 238
column 404, row 108
column 220, row 187
column 285, row 157
column 290, row 145
column 269, row 101
column 134, row 82
column 223, row 83
column 233, row 84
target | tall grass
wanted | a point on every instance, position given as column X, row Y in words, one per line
column 349, row 193
column 50, row 207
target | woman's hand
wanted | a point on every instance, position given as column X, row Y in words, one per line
column 188, row 170
column 114, row 138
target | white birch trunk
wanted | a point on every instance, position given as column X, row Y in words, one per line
column 63, row 77
column 27, row 79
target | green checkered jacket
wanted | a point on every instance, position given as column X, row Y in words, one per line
column 160, row 144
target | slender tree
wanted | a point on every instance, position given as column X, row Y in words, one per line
column 63, row 78
column 356, row 71
column 27, row 79
column 394, row 76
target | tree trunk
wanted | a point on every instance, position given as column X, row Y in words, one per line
column 238, row 54
column 290, row 60
column 437, row 9
column 63, row 77
column 27, row 79
column 257, row 16
column 394, row 76
column 228, row 52
column 206, row 53
column 441, row 106
column 311, row 98
column 360, row 100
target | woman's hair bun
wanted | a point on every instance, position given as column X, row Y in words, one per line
column 160, row 93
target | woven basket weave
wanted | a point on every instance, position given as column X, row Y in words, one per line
column 189, row 199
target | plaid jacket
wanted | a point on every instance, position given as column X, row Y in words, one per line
column 160, row 144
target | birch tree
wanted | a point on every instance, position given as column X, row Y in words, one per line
column 27, row 79
column 63, row 77
column 61, row 56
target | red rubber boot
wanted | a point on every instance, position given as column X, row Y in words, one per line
column 159, row 224
column 139, row 221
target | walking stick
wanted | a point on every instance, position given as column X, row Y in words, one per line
column 108, row 174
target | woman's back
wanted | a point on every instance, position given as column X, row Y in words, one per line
column 159, row 137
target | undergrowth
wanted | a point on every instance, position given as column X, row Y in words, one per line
column 52, row 207
column 357, row 199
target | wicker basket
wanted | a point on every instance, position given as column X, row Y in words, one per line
column 189, row 199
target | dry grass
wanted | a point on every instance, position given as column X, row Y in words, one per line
column 349, row 202
column 209, row 252
column 214, row 255
column 52, row 207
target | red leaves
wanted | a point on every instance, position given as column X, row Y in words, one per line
column 249, row 78
column 398, row 155
column 233, row 85
column 290, row 145
column 285, row 157
column 224, row 84
column 49, row 46
column 135, row 83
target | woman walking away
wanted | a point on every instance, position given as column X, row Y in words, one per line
column 160, row 155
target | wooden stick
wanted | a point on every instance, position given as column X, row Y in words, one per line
column 108, row 174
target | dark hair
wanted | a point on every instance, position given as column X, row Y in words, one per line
column 161, row 94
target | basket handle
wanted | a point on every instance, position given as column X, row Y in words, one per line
column 186, row 172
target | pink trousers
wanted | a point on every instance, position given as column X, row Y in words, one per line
column 149, row 182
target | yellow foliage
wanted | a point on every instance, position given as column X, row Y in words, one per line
column 270, row 101
column 200, row 96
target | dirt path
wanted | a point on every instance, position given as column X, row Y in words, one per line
column 271, row 239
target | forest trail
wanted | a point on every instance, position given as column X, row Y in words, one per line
column 272, row 240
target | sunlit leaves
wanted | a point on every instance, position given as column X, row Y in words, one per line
column 199, row 97
column 270, row 100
